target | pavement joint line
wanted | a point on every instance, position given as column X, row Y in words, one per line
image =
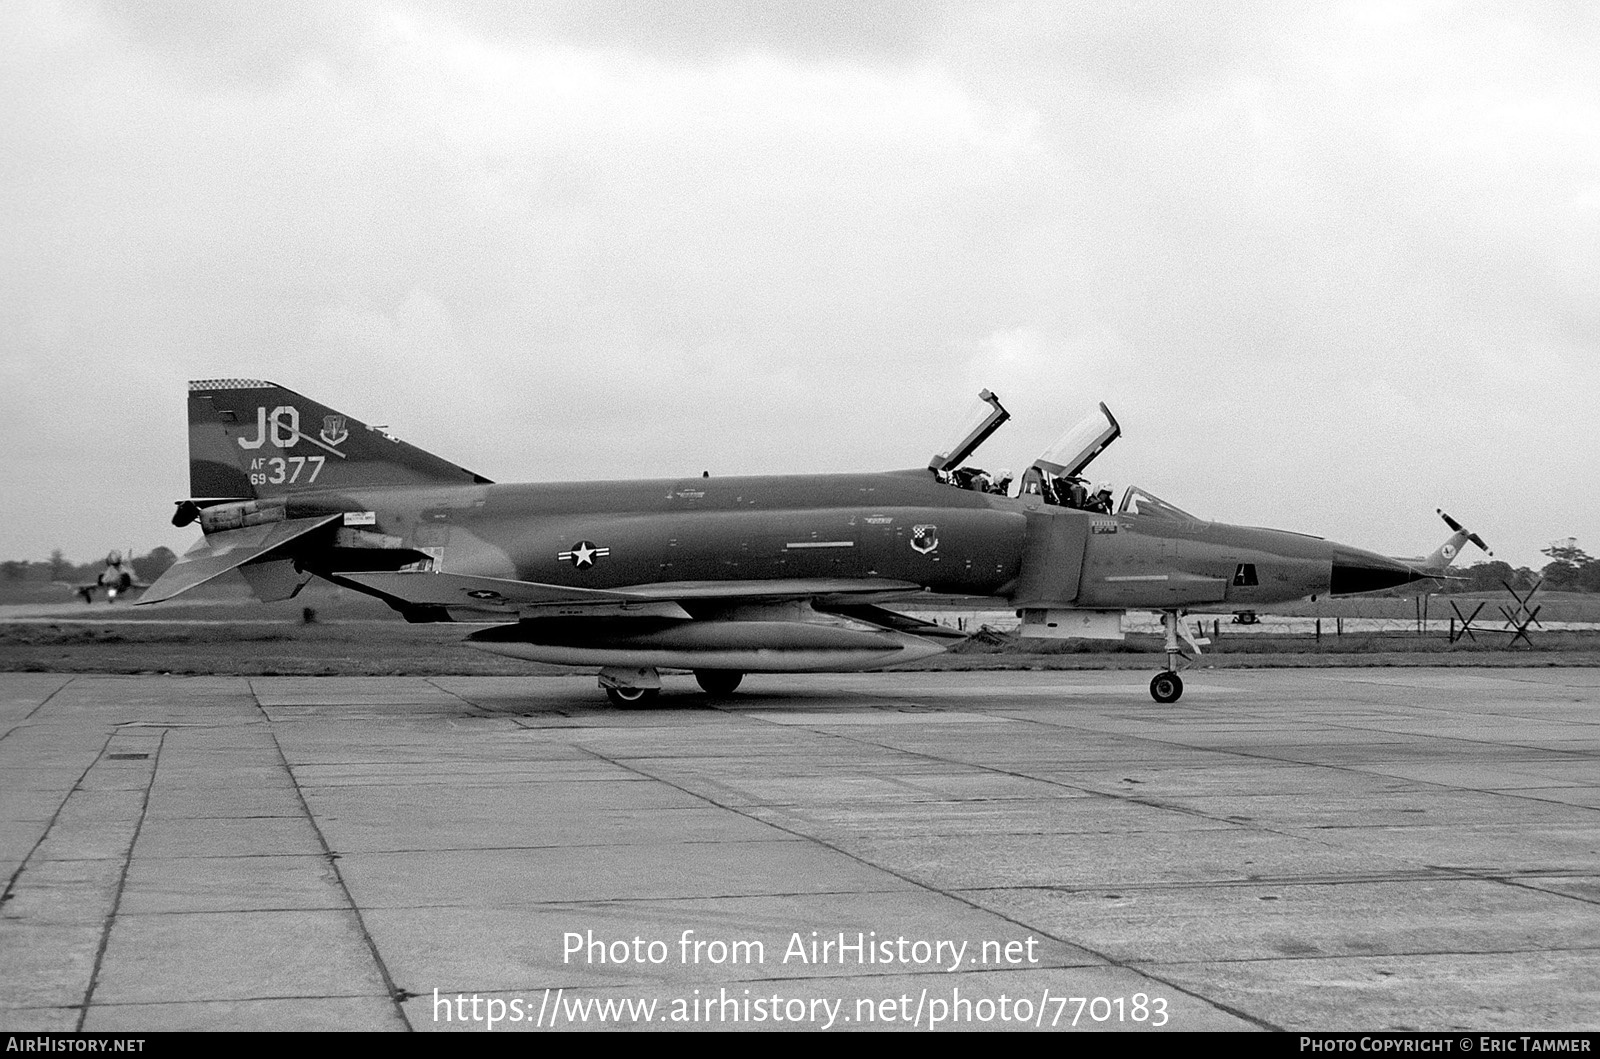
column 956, row 897
column 301, row 997
column 1312, row 957
column 1427, row 713
column 477, row 711
column 230, row 911
column 1275, row 882
column 42, row 704
column 557, row 845
column 328, row 854
column 11, row 883
column 1352, row 727
column 122, row 883
column 1519, row 882
column 185, row 724
column 669, row 899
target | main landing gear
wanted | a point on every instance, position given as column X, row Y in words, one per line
column 630, row 698
column 1167, row 686
column 718, row 682
column 633, row 687
column 630, row 687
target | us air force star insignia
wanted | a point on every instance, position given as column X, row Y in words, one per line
column 924, row 539
column 583, row 554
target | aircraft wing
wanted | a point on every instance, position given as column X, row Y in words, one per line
column 228, row 550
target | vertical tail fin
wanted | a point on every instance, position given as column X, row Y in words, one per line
column 250, row 439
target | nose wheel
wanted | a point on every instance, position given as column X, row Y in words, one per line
column 1166, row 687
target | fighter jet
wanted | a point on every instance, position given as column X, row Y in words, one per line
column 721, row 576
column 116, row 579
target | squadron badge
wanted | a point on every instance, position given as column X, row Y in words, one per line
column 333, row 431
column 924, row 539
column 582, row 555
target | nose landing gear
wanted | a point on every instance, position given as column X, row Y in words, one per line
column 1167, row 686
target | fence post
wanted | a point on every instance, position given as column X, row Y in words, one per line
column 1319, row 630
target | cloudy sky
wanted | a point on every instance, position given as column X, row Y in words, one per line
column 1331, row 264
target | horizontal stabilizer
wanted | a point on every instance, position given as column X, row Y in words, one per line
column 229, row 550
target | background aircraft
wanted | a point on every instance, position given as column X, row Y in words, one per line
column 117, row 578
column 721, row 576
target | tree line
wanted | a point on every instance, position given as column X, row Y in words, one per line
column 1570, row 569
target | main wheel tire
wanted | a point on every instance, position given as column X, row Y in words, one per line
column 718, row 681
column 1166, row 687
column 631, row 698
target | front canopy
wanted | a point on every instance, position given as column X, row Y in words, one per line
column 1138, row 502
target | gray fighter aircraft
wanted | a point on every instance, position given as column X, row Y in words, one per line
column 719, row 576
column 116, row 579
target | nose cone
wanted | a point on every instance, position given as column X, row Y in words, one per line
column 1357, row 571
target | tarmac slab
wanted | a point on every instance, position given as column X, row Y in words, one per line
column 1282, row 849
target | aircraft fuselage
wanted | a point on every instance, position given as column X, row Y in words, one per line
column 894, row 526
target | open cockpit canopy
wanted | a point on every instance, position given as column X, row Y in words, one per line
column 982, row 420
column 1078, row 447
column 1057, row 475
column 986, row 417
